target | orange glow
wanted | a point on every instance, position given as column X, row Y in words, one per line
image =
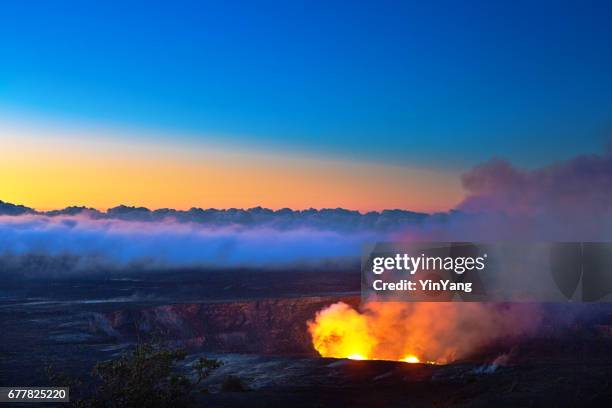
column 434, row 333
column 411, row 359
column 53, row 170
column 341, row 332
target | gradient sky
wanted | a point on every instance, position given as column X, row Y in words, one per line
column 365, row 105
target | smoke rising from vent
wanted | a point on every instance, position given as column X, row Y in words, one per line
column 565, row 201
column 425, row 332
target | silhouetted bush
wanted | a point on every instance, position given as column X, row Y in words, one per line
column 145, row 377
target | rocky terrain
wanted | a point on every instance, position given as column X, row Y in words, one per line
column 266, row 326
column 263, row 340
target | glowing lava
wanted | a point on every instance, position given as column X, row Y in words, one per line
column 411, row 359
column 341, row 332
column 432, row 333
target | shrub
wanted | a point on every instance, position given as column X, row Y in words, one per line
column 145, row 377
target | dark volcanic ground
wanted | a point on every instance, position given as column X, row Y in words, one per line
column 254, row 321
column 67, row 323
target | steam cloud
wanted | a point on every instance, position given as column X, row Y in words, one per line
column 582, row 185
column 429, row 332
column 570, row 200
column 565, row 201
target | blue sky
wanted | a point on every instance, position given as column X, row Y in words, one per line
column 450, row 83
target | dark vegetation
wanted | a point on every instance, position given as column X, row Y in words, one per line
column 146, row 377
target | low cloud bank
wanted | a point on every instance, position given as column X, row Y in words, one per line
column 34, row 245
column 570, row 200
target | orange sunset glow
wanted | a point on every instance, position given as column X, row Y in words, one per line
column 49, row 170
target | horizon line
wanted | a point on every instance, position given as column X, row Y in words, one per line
column 41, row 211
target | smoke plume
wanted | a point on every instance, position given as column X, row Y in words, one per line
column 566, row 201
column 418, row 332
